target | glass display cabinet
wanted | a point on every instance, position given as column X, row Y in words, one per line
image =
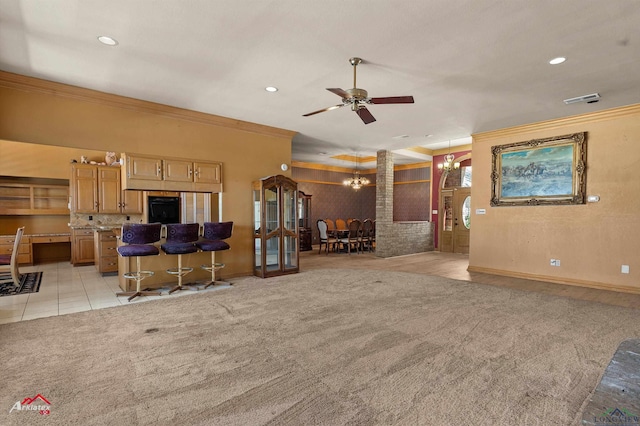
column 304, row 217
column 275, row 218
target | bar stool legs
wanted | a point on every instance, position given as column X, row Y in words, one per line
column 215, row 233
column 180, row 272
column 213, row 268
column 138, row 275
column 181, row 238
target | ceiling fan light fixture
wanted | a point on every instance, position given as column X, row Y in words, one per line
column 357, row 98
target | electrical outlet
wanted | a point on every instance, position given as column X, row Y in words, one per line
column 552, row 262
column 624, row 269
column 557, row 262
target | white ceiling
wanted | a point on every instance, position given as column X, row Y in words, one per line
column 471, row 65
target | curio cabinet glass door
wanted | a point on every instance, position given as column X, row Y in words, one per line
column 276, row 247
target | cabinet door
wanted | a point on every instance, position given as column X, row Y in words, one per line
column 84, row 184
column 178, row 171
column 109, row 192
column 82, row 246
column 206, row 173
column 143, row 168
column 132, row 202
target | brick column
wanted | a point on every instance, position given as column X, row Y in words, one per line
column 384, row 201
column 396, row 238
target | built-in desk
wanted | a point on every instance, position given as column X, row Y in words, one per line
column 50, row 247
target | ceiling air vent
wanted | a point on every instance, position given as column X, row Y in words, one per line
column 594, row 97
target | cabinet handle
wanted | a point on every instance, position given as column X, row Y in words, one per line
column 110, row 248
column 197, row 172
column 159, row 170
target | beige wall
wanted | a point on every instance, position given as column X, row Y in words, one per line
column 47, row 113
column 591, row 240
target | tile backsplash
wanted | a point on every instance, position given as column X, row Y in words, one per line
column 82, row 219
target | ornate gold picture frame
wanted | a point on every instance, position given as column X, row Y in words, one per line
column 550, row 171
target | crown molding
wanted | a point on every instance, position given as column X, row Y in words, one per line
column 32, row 84
column 324, row 167
column 560, row 123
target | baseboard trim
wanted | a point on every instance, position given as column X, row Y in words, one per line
column 556, row 280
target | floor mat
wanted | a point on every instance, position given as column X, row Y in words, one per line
column 29, row 283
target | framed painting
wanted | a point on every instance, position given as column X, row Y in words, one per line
column 550, row 171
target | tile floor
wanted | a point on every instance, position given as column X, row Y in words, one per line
column 66, row 289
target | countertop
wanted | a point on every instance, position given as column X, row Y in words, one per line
column 51, row 234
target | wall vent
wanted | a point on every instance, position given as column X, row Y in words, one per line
column 594, row 97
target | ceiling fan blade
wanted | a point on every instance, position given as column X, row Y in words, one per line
column 323, row 110
column 340, row 92
column 365, row 114
column 392, row 100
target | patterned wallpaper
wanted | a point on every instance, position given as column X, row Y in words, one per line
column 332, row 200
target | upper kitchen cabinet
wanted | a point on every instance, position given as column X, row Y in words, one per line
column 97, row 189
column 20, row 196
column 170, row 174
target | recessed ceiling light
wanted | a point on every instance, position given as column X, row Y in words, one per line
column 271, row 89
column 558, row 60
column 108, row 40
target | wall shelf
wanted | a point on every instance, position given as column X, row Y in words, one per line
column 33, row 198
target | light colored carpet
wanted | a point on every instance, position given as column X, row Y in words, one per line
column 327, row 347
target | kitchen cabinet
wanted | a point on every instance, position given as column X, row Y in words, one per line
column 151, row 173
column 275, row 210
column 105, row 254
column 25, row 254
column 82, row 246
column 18, row 198
column 97, row 189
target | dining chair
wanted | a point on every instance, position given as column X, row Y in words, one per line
column 325, row 237
column 11, row 261
column 341, row 225
column 365, row 235
column 352, row 240
column 331, row 227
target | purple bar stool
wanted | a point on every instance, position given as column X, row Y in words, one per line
column 180, row 240
column 139, row 238
column 214, row 235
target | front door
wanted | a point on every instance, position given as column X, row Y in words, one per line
column 461, row 219
column 455, row 214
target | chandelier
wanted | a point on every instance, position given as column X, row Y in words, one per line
column 356, row 181
column 449, row 163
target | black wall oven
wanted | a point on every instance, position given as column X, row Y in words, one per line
column 163, row 209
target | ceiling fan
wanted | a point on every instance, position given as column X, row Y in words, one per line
column 358, row 98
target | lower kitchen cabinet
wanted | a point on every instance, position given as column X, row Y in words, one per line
column 82, row 246
column 106, row 256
